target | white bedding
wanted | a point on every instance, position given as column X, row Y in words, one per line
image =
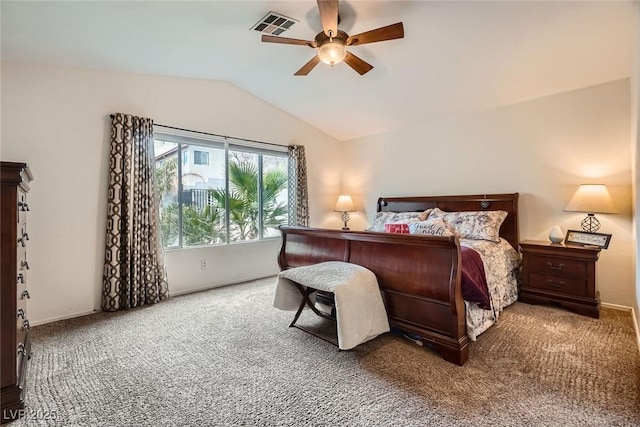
column 501, row 263
column 360, row 313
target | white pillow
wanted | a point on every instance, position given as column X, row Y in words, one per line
column 480, row 225
column 431, row 227
column 382, row 218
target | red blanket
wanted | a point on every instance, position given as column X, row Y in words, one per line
column 474, row 280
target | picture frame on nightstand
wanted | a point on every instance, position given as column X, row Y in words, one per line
column 588, row 239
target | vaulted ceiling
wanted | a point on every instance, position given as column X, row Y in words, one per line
column 456, row 57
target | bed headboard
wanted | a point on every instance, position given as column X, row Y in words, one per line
column 490, row 202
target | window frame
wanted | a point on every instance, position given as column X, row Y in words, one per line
column 183, row 138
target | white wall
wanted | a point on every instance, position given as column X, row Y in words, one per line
column 57, row 120
column 543, row 149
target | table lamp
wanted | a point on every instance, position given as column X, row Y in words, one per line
column 591, row 199
column 344, row 205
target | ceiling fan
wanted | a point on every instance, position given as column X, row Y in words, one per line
column 332, row 43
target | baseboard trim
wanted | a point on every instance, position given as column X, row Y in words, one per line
column 64, row 317
column 213, row 286
column 616, row 306
column 635, row 326
column 204, row 288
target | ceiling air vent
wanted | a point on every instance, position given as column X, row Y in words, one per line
column 274, row 23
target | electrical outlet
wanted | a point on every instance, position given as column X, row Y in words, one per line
column 203, row 264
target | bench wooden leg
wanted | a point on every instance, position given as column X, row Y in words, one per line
column 306, row 301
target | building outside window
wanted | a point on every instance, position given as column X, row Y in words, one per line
column 230, row 193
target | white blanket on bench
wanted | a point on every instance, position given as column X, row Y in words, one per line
column 360, row 313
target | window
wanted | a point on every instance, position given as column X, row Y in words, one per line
column 185, row 157
column 200, row 158
column 231, row 193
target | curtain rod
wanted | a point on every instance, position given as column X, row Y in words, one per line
column 214, row 134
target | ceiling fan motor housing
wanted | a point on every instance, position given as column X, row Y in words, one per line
column 331, row 50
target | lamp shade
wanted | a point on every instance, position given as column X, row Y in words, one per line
column 344, row 204
column 591, row 198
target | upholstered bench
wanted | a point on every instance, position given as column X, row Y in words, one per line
column 359, row 309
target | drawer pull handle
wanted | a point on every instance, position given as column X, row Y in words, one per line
column 23, row 206
column 25, row 294
column 24, row 264
column 20, row 277
column 21, row 349
column 25, row 325
column 553, row 267
column 21, row 313
column 555, row 285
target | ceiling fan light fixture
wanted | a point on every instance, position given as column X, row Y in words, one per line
column 332, row 52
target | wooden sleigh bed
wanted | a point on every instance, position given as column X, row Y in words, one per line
column 420, row 276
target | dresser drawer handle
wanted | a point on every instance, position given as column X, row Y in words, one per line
column 20, row 277
column 22, row 350
column 25, row 325
column 21, row 313
column 25, row 294
column 555, row 285
column 553, row 267
column 24, row 264
column 23, row 206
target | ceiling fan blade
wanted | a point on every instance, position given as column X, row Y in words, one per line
column 306, row 68
column 329, row 16
column 285, row 40
column 357, row 64
column 390, row 32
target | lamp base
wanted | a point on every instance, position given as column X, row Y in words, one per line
column 345, row 219
column 590, row 224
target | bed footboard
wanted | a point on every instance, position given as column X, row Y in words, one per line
column 419, row 277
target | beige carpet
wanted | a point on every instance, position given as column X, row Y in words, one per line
column 226, row 357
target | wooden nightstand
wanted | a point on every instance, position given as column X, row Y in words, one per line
column 561, row 274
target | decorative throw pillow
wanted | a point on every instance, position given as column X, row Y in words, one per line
column 397, row 227
column 480, row 225
column 382, row 218
column 431, row 227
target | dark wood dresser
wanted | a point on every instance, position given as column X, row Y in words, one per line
column 14, row 340
column 560, row 274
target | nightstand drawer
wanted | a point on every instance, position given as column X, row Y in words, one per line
column 558, row 284
column 558, row 266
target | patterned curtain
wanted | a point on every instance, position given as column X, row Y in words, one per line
column 298, row 195
column 134, row 272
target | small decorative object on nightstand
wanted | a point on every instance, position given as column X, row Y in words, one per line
column 344, row 205
column 562, row 274
column 556, row 235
